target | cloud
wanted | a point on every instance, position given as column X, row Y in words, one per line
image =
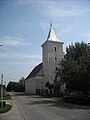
column 51, row 9
column 17, row 55
column 19, row 59
column 43, row 25
column 66, row 29
column 24, row 2
column 12, row 41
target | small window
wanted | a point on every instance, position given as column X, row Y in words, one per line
column 56, row 68
column 55, row 49
column 55, row 58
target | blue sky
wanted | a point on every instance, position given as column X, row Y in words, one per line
column 24, row 26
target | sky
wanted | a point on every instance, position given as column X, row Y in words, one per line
column 24, row 26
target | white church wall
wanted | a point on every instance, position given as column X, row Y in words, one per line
column 34, row 83
column 26, row 85
column 30, row 85
column 52, row 54
column 39, row 82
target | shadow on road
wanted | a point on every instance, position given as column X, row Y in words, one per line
column 55, row 103
column 50, row 101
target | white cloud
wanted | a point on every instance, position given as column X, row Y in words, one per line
column 66, row 29
column 51, row 9
column 17, row 55
column 19, row 59
column 43, row 25
column 12, row 41
column 24, row 2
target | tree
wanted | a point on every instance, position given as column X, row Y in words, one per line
column 16, row 86
column 50, row 86
column 12, row 86
column 57, row 83
column 21, row 84
column 74, row 69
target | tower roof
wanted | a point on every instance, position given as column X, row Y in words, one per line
column 52, row 35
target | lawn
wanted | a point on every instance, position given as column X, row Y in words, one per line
column 6, row 97
column 5, row 109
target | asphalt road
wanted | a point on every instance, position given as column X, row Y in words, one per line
column 37, row 108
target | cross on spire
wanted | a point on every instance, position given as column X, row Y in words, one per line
column 50, row 24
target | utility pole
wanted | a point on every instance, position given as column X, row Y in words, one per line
column 1, row 87
column 2, row 90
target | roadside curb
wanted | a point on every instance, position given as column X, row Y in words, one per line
column 13, row 114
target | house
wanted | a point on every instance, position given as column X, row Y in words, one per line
column 52, row 53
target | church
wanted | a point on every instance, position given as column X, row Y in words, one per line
column 52, row 54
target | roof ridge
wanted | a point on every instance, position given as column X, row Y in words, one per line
column 35, row 71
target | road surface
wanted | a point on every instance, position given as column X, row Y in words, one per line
column 34, row 107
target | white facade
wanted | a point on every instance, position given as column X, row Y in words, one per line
column 30, row 86
column 34, row 81
column 33, row 84
column 52, row 53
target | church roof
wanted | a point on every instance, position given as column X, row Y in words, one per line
column 35, row 71
column 52, row 35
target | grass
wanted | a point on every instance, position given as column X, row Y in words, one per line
column 6, row 97
column 5, row 109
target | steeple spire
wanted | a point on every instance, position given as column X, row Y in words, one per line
column 52, row 35
column 50, row 24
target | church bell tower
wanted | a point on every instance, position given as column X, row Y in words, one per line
column 52, row 54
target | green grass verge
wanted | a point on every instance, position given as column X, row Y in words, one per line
column 6, row 97
column 5, row 109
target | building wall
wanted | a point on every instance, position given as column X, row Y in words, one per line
column 33, row 83
column 40, row 73
column 52, row 53
column 39, row 82
column 39, row 79
column 30, row 85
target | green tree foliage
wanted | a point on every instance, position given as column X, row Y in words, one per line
column 49, row 86
column 21, row 84
column 74, row 69
column 12, row 86
column 16, row 86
